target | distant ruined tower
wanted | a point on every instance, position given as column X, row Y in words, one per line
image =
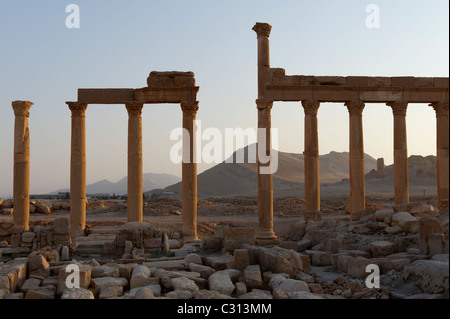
column 380, row 168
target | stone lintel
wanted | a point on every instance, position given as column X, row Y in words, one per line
column 171, row 79
column 157, row 95
column 105, row 96
column 342, row 94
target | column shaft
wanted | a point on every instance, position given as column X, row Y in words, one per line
column 21, row 188
column 135, row 190
column 357, row 178
column 311, row 156
column 189, row 172
column 265, row 176
column 263, row 31
column 78, row 169
column 442, row 123
column 401, row 179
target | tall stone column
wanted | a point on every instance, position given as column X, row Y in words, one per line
column 311, row 156
column 442, row 163
column 263, row 31
column 21, row 186
column 135, row 190
column 357, row 178
column 78, row 169
column 401, row 179
column 189, row 172
column 265, row 232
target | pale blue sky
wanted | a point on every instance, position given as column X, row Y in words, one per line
column 120, row 42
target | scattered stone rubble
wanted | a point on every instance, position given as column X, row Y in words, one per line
column 319, row 259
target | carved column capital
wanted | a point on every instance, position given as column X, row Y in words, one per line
column 264, row 105
column 134, row 109
column 398, row 108
column 190, row 107
column 21, row 108
column 311, row 107
column 355, row 108
column 441, row 108
column 262, row 29
column 78, row 109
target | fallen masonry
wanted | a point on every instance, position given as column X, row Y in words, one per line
column 318, row 259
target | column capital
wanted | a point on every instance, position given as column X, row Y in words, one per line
column 355, row 108
column 262, row 29
column 134, row 109
column 311, row 107
column 78, row 109
column 190, row 107
column 264, row 104
column 398, row 108
column 441, row 108
column 21, row 108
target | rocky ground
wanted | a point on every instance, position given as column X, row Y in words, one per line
column 322, row 255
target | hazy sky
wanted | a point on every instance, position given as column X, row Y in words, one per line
column 120, row 42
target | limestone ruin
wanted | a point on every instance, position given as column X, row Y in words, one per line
column 320, row 253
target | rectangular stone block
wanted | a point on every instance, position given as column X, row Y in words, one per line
column 403, row 81
column 424, row 82
column 441, row 82
column 301, row 80
column 16, row 240
column 357, row 267
column 357, row 81
column 321, row 258
column 85, row 278
column 342, row 262
column 109, row 249
column 184, row 81
column 105, row 96
column 241, row 259
column 220, row 262
column 166, row 95
column 331, row 245
column 331, row 80
column 306, row 261
column 435, row 244
column 334, row 259
column 379, row 81
column 235, row 238
column 152, row 243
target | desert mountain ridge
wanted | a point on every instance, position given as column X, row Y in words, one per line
column 150, row 181
column 241, row 179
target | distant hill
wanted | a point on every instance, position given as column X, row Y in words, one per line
column 150, row 181
column 241, row 179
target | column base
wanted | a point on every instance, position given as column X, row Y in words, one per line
column 267, row 237
column 191, row 239
column 77, row 233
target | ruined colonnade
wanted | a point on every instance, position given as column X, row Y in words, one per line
column 354, row 92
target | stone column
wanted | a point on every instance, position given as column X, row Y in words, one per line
column 135, row 190
column 442, row 163
column 263, row 31
column 265, row 234
column 357, row 178
column 401, row 179
column 311, row 156
column 189, row 172
column 21, row 164
column 78, row 169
